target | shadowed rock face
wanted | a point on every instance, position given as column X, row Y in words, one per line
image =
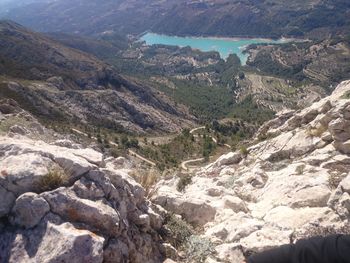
column 290, row 184
column 60, row 83
column 93, row 212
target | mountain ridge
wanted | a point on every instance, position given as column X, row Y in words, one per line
column 312, row 18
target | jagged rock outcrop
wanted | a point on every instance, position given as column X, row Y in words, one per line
column 62, row 204
column 295, row 180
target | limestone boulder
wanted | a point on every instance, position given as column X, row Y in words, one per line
column 289, row 218
column 25, row 177
column 343, row 146
column 345, row 184
column 29, row 210
column 66, row 204
column 340, row 129
column 266, row 238
column 314, row 196
column 51, row 241
column 235, row 203
column 230, row 252
column 229, row 159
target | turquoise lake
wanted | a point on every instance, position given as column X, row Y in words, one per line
column 224, row 46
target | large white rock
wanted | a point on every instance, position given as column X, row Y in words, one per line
column 266, row 238
column 65, row 203
column 25, row 177
column 314, row 196
column 345, row 184
column 51, row 242
column 288, row 218
column 230, row 252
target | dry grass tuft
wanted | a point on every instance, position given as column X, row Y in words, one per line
column 146, row 178
column 55, row 178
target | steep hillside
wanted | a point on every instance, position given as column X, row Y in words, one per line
column 323, row 62
column 189, row 17
column 106, row 47
column 291, row 182
column 60, row 83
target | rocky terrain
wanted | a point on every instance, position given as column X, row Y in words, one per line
column 292, row 182
column 61, row 202
column 59, row 83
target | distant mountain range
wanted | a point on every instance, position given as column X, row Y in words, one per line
column 267, row 18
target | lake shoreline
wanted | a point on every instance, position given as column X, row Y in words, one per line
column 236, row 38
column 224, row 46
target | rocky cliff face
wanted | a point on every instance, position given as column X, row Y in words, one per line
column 64, row 203
column 293, row 184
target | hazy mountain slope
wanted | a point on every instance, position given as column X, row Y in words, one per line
column 104, row 48
column 188, row 17
column 68, row 84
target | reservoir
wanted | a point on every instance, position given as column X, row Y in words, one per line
column 225, row 46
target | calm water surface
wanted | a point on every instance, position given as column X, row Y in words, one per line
column 224, row 46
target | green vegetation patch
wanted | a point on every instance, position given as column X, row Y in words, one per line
column 183, row 182
column 346, row 95
column 199, row 248
column 249, row 111
column 176, row 231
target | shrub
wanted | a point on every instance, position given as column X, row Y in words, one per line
column 346, row 95
column 241, row 75
column 177, row 231
column 55, row 178
column 198, row 248
column 317, row 131
column 300, row 169
column 183, row 182
column 230, row 182
column 265, row 136
column 244, row 150
column 335, row 179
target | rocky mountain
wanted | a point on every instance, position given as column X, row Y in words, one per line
column 61, row 202
column 291, row 182
column 64, row 84
column 188, row 17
